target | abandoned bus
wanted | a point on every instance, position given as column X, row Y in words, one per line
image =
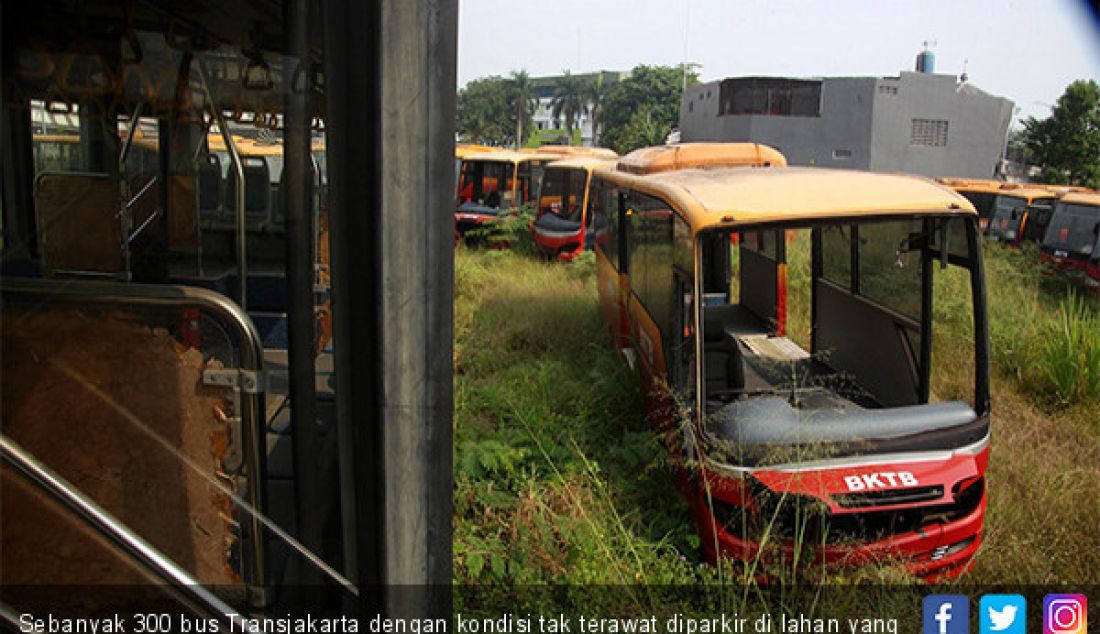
column 577, row 151
column 562, row 226
column 170, row 430
column 1020, row 214
column 494, row 181
column 981, row 193
column 1072, row 241
column 803, row 415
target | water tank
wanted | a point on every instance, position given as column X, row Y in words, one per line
column 926, row 62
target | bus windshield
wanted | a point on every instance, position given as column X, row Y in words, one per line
column 1008, row 211
column 480, row 182
column 1073, row 229
column 563, row 194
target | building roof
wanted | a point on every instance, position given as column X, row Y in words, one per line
column 733, row 196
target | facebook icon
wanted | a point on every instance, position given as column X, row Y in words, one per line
column 946, row 614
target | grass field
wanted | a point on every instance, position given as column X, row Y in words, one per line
column 559, row 479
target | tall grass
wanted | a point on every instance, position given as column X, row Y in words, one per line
column 559, row 479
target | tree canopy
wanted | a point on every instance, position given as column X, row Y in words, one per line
column 641, row 109
column 1066, row 145
column 570, row 101
column 525, row 101
column 486, row 112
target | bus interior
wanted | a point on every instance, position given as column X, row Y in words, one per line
column 840, row 361
column 170, row 402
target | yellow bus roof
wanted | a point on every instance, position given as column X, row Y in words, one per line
column 1082, row 198
column 663, row 158
column 734, row 196
column 971, row 184
column 462, row 150
column 1025, row 190
column 577, row 150
column 586, row 163
column 510, row 156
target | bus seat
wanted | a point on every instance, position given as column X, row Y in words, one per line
column 78, row 224
column 210, row 188
column 724, row 365
column 257, row 192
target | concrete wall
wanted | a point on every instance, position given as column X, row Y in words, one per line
column 873, row 125
column 977, row 124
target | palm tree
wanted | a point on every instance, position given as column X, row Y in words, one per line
column 569, row 101
column 524, row 99
column 597, row 95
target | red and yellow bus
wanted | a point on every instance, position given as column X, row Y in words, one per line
column 1072, row 241
column 492, row 182
column 1021, row 214
column 562, row 225
column 823, row 431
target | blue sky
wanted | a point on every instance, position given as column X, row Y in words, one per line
column 1026, row 50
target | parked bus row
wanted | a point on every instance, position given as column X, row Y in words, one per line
column 1063, row 221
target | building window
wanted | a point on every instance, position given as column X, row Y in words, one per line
column 842, row 155
column 930, row 132
column 691, row 106
column 770, row 96
column 888, row 90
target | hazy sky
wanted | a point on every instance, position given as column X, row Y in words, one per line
column 1026, row 50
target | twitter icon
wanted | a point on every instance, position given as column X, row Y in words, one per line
column 1003, row 614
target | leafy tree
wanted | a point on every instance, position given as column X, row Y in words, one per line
column 652, row 90
column 643, row 129
column 596, row 95
column 485, row 112
column 570, row 101
column 525, row 102
column 1066, row 145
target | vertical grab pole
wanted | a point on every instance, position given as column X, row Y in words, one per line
column 238, row 170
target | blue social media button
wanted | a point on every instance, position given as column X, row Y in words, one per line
column 946, row 614
column 1003, row 614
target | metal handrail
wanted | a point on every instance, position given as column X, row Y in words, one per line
column 251, row 359
column 94, row 515
column 238, row 168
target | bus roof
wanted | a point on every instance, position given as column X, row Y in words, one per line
column 1082, row 198
column 971, row 184
column 733, row 196
column 663, row 158
column 1022, row 190
column 462, row 150
column 586, row 163
column 577, row 150
column 510, row 156
column 1025, row 190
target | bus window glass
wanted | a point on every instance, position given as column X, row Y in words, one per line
column 651, row 276
column 1007, row 214
column 481, row 183
column 684, row 254
column 1073, row 229
column 604, row 207
column 836, row 250
column 563, row 194
column 890, row 265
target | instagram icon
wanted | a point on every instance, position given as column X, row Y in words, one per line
column 1065, row 614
